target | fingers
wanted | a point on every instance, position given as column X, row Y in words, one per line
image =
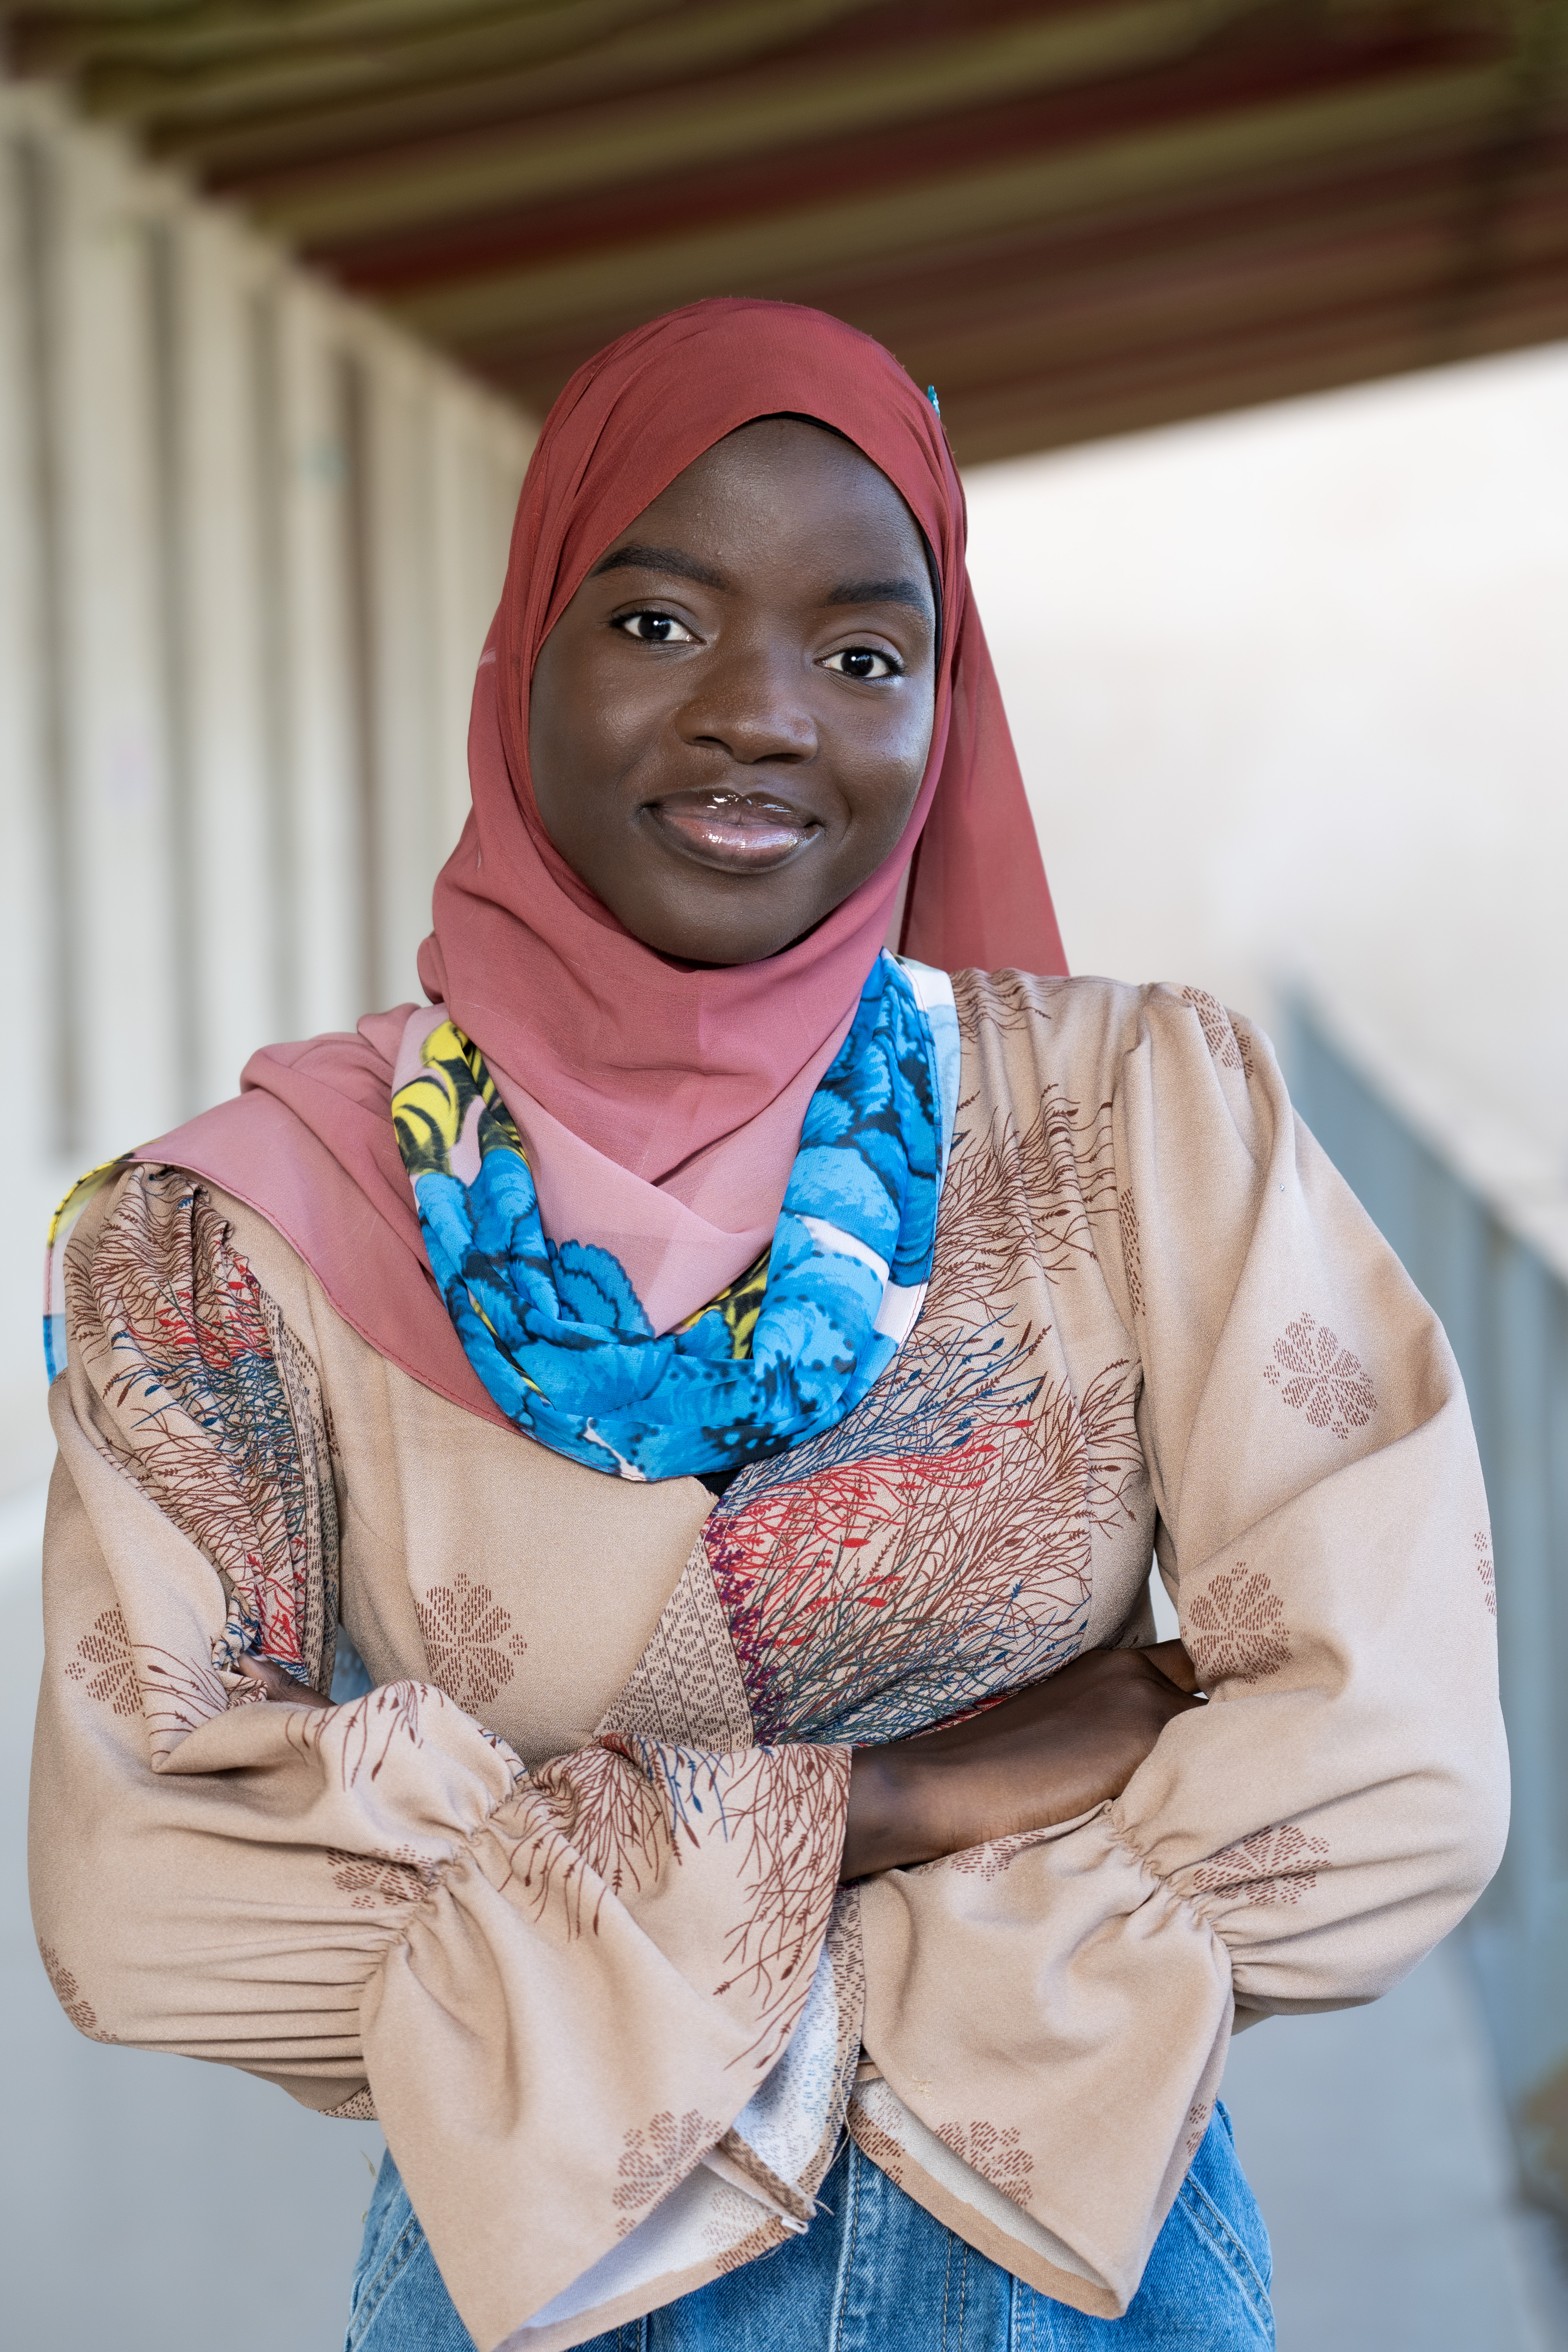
column 1173, row 1663
column 276, row 1681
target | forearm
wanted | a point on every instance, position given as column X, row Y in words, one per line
column 1053, row 1752
column 880, row 1830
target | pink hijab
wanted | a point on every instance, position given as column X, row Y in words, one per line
column 689, row 1080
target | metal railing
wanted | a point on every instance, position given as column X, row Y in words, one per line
column 1484, row 1234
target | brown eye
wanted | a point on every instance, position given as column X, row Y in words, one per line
column 862, row 662
column 654, row 629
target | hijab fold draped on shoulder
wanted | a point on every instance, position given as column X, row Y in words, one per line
column 686, row 1082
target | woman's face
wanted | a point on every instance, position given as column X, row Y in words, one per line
column 730, row 720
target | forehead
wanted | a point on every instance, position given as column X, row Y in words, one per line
column 776, row 465
column 788, row 491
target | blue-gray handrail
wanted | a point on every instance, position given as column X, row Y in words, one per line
column 1494, row 1273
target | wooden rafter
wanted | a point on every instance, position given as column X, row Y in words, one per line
column 1075, row 217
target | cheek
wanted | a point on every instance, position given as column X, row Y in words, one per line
column 583, row 727
column 881, row 782
column 903, row 748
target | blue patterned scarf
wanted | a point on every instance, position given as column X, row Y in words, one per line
column 558, row 1335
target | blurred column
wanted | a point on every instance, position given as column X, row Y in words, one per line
column 477, row 474
column 118, row 1070
column 320, row 657
column 396, row 584
column 31, row 765
column 250, row 542
column 217, row 435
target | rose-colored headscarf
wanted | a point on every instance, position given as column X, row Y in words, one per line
column 660, row 1069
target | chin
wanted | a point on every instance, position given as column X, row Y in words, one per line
column 720, row 954
column 719, row 939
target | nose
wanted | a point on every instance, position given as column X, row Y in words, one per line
column 751, row 703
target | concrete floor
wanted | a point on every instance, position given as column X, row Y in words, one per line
column 161, row 2206
column 152, row 2204
column 1376, row 2145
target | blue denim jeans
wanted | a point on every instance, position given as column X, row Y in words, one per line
column 874, row 2271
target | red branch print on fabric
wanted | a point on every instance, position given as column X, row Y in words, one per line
column 174, row 1324
column 999, row 2156
column 989, row 1861
column 1013, row 1199
column 1486, row 1571
column 1197, row 2124
column 1010, row 1002
column 71, row 1999
column 934, row 1550
column 1318, row 1377
column 470, row 1640
column 1235, row 1628
column 874, row 1587
column 655, row 2161
column 547, row 1868
column 373, row 1879
column 103, row 1662
column 1275, row 1865
column 597, row 1808
column 887, row 2154
column 610, row 1820
column 785, row 1810
column 733, row 2234
column 1227, row 1042
column 361, row 1734
column 1131, row 1248
column 171, row 1694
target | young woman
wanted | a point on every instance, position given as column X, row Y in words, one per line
column 725, row 1383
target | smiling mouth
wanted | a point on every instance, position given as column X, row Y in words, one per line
column 737, row 833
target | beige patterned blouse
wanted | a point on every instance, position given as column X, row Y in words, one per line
column 558, row 1898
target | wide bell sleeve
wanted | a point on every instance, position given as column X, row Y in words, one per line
column 560, row 1988
column 1047, row 2017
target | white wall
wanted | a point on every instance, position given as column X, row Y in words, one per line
column 1291, row 691
column 251, row 541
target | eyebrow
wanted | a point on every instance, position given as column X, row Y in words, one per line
column 638, row 558
column 884, row 591
column 635, row 556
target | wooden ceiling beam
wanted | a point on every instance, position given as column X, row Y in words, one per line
column 174, row 40
column 1409, row 280
column 1170, row 277
column 805, row 104
column 766, row 254
column 1321, row 355
column 1224, row 82
column 1077, row 217
column 1141, row 295
column 306, row 103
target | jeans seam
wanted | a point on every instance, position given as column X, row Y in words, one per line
column 946, row 2282
column 1211, row 2223
column 398, row 2256
column 846, row 2258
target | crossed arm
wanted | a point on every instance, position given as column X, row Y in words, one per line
column 1056, row 1750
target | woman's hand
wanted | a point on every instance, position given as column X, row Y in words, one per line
column 1053, row 1752
column 276, row 1681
